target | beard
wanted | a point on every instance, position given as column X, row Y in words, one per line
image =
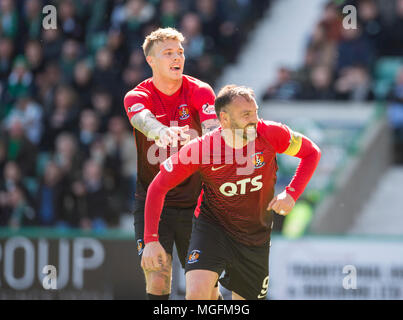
column 247, row 133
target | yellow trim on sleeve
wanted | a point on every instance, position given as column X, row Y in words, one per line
column 295, row 144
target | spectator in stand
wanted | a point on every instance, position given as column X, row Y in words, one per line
column 88, row 130
column 322, row 49
column 137, row 14
column 71, row 54
column 354, row 84
column 219, row 24
column 64, row 116
column 332, row 21
column 132, row 76
column 9, row 20
column 372, row 25
column 70, row 23
column 67, row 155
column 118, row 14
column 20, row 81
column 319, row 86
column 92, row 200
column 29, row 113
column 123, row 160
column 210, row 18
column 47, row 83
column 10, row 181
column 102, row 104
column 6, row 58
column 34, row 55
column 32, row 19
column 170, row 13
column 105, row 73
column 12, row 177
column 52, row 42
column 284, row 87
column 16, row 211
column 137, row 61
column 50, row 196
column 82, row 83
column 96, row 15
column 194, row 43
column 354, row 49
column 117, row 45
column 206, row 68
column 392, row 44
column 19, row 148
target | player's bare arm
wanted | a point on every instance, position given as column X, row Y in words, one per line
column 164, row 136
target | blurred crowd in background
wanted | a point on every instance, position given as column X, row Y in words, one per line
column 67, row 152
column 359, row 64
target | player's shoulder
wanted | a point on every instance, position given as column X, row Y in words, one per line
column 272, row 131
column 142, row 90
column 195, row 84
column 269, row 125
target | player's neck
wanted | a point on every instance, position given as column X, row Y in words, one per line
column 167, row 86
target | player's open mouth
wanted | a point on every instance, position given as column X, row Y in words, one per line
column 176, row 68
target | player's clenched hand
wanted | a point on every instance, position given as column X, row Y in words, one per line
column 282, row 203
column 169, row 136
column 154, row 256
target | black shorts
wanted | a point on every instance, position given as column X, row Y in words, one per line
column 246, row 267
column 175, row 227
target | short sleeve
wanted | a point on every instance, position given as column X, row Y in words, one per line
column 135, row 101
column 203, row 100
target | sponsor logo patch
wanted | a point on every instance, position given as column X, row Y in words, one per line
column 194, row 256
column 136, row 107
column 183, row 112
column 208, row 108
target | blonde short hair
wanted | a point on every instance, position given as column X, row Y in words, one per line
column 161, row 34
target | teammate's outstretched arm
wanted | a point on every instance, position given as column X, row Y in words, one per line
column 172, row 172
column 164, row 136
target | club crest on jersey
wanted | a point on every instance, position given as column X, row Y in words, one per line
column 140, row 246
column 194, row 256
column 183, row 112
column 258, row 160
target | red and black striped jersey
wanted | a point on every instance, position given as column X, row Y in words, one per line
column 192, row 104
column 238, row 184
